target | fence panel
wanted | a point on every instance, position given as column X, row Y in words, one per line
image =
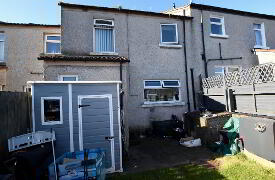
column 15, row 117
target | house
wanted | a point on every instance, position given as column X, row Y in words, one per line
column 20, row 45
column 226, row 39
column 144, row 50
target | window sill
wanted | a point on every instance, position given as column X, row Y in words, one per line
column 104, row 53
column 261, row 47
column 176, row 46
column 219, row 36
column 148, row 105
column 52, row 53
column 51, row 123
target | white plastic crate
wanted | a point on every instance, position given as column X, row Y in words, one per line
column 30, row 139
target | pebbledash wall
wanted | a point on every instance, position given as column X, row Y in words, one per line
column 137, row 37
column 239, row 42
column 23, row 44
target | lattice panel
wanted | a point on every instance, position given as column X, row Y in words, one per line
column 254, row 75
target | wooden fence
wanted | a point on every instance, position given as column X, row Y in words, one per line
column 15, row 117
column 249, row 91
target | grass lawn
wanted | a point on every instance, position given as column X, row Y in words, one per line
column 231, row 167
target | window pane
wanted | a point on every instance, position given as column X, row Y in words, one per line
column 170, row 83
column 258, row 36
column 215, row 20
column 153, row 83
column 69, row 78
column 216, row 29
column 257, row 26
column 51, row 110
column 1, row 50
column 104, row 40
column 53, row 47
column 53, row 38
column 2, row 37
column 169, row 33
column 232, row 69
column 219, row 70
column 100, row 21
column 167, row 94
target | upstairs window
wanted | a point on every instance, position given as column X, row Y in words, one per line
column 51, row 110
column 104, row 36
column 161, row 91
column 169, row 34
column 52, row 44
column 68, row 78
column 217, row 26
column 2, row 46
column 260, row 41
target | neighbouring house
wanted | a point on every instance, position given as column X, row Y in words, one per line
column 265, row 55
column 20, row 45
column 225, row 40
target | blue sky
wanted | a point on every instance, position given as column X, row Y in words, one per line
column 48, row 12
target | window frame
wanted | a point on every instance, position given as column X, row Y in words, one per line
column 106, row 27
column 52, row 41
column 262, row 30
column 43, row 111
column 153, row 87
column 222, row 25
column 60, row 77
column 2, row 60
column 177, row 36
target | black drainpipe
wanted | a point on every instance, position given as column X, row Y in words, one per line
column 185, row 63
column 203, row 55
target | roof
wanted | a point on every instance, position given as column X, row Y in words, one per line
column 29, row 24
column 121, row 10
column 265, row 50
column 232, row 11
column 95, row 58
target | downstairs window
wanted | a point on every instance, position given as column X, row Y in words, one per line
column 161, row 91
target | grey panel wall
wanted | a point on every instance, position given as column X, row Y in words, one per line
column 62, row 131
column 259, row 143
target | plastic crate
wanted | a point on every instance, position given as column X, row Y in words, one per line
column 30, row 139
column 70, row 165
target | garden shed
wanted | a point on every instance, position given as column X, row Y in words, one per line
column 83, row 114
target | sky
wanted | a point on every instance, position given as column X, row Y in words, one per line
column 48, row 12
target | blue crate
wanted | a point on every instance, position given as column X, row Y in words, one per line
column 69, row 165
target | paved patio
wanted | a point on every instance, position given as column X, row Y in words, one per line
column 153, row 153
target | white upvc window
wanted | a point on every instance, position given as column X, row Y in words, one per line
column 104, row 36
column 259, row 31
column 52, row 44
column 68, row 77
column 51, row 110
column 169, row 34
column 222, row 70
column 217, row 26
column 161, row 91
column 2, row 46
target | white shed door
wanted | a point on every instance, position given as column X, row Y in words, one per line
column 96, row 125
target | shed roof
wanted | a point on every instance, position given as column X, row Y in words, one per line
column 95, row 58
column 121, row 10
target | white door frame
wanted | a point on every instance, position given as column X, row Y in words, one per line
column 109, row 96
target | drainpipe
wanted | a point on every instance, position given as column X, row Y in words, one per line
column 185, row 63
column 203, row 55
column 121, row 86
